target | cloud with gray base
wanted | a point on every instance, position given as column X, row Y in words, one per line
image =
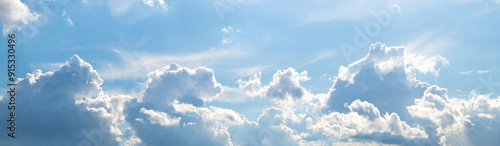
column 65, row 107
column 376, row 100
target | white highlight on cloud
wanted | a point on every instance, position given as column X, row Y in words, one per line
column 376, row 99
column 182, row 92
column 14, row 14
column 174, row 82
column 66, row 107
column 459, row 121
column 214, row 114
column 286, row 84
column 160, row 118
column 363, row 118
column 425, row 64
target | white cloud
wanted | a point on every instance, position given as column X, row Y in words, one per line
column 363, row 119
column 214, row 114
column 286, row 83
column 14, row 14
column 459, row 121
column 160, row 118
column 249, row 71
column 425, row 64
column 246, row 89
column 227, row 29
column 383, row 77
column 320, row 57
column 376, row 99
column 432, row 42
column 70, row 22
column 227, row 40
column 229, row 34
column 475, row 72
column 66, row 107
column 159, row 3
column 134, row 141
column 174, row 82
column 181, row 93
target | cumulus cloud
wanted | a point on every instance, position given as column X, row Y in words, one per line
column 65, row 107
column 375, row 100
column 363, row 119
column 459, row 121
column 425, row 64
column 286, row 84
column 160, row 118
column 382, row 77
column 14, row 14
column 174, row 82
column 178, row 95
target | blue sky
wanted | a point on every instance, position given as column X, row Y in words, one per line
column 252, row 58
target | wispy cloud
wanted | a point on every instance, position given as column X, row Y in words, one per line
column 70, row 22
column 248, row 71
column 320, row 57
column 470, row 72
column 229, row 34
column 47, row 66
column 139, row 64
column 321, row 11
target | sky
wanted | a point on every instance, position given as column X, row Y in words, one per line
column 253, row 72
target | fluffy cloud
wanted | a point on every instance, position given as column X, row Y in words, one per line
column 376, row 100
column 176, row 97
column 174, row 82
column 181, row 92
column 286, row 84
column 459, row 121
column 363, row 119
column 65, row 107
column 382, row 78
column 425, row 64
column 14, row 13
column 160, row 118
